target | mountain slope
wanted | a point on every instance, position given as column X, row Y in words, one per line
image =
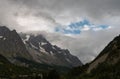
column 11, row 45
column 10, row 71
column 43, row 51
column 105, row 66
column 31, row 50
column 111, row 54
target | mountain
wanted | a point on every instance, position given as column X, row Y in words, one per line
column 33, row 51
column 11, row 71
column 42, row 51
column 110, row 54
column 11, row 45
column 105, row 66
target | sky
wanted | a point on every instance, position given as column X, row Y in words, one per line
column 84, row 27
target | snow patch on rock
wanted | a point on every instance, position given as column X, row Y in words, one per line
column 43, row 43
column 51, row 53
column 1, row 36
column 68, row 60
column 33, row 46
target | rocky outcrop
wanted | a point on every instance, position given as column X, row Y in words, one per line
column 110, row 55
column 11, row 45
column 33, row 48
column 44, row 52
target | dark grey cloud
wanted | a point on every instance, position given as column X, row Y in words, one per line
column 60, row 10
column 94, row 9
column 44, row 15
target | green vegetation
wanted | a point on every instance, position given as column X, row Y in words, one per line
column 103, row 71
column 34, row 71
column 43, row 67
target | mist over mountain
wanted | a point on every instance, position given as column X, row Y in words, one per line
column 33, row 48
column 110, row 54
column 11, row 45
column 43, row 51
column 59, row 39
column 35, row 54
column 83, row 22
column 105, row 66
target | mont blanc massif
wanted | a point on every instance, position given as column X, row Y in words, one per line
column 31, row 56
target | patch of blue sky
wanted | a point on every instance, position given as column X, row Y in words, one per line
column 76, row 27
column 103, row 26
column 67, row 31
column 71, row 31
column 79, row 24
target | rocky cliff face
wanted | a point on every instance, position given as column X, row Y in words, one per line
column 110, row 55
column 105, row 66
column 11, row 45
column 43, row 51
column 33, row 48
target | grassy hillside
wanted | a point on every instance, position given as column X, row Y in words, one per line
column 34, row 71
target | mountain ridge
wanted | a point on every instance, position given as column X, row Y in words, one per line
column 108, row 54
column 39, row 45
column 11, row 44
column 105, row 66
column 33, row 48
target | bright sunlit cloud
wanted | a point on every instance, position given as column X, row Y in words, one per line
column 35, row 24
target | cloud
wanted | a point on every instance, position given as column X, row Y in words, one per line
column 66, row 11
column 80, row 26
column 85, row 26
column 87, row 45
